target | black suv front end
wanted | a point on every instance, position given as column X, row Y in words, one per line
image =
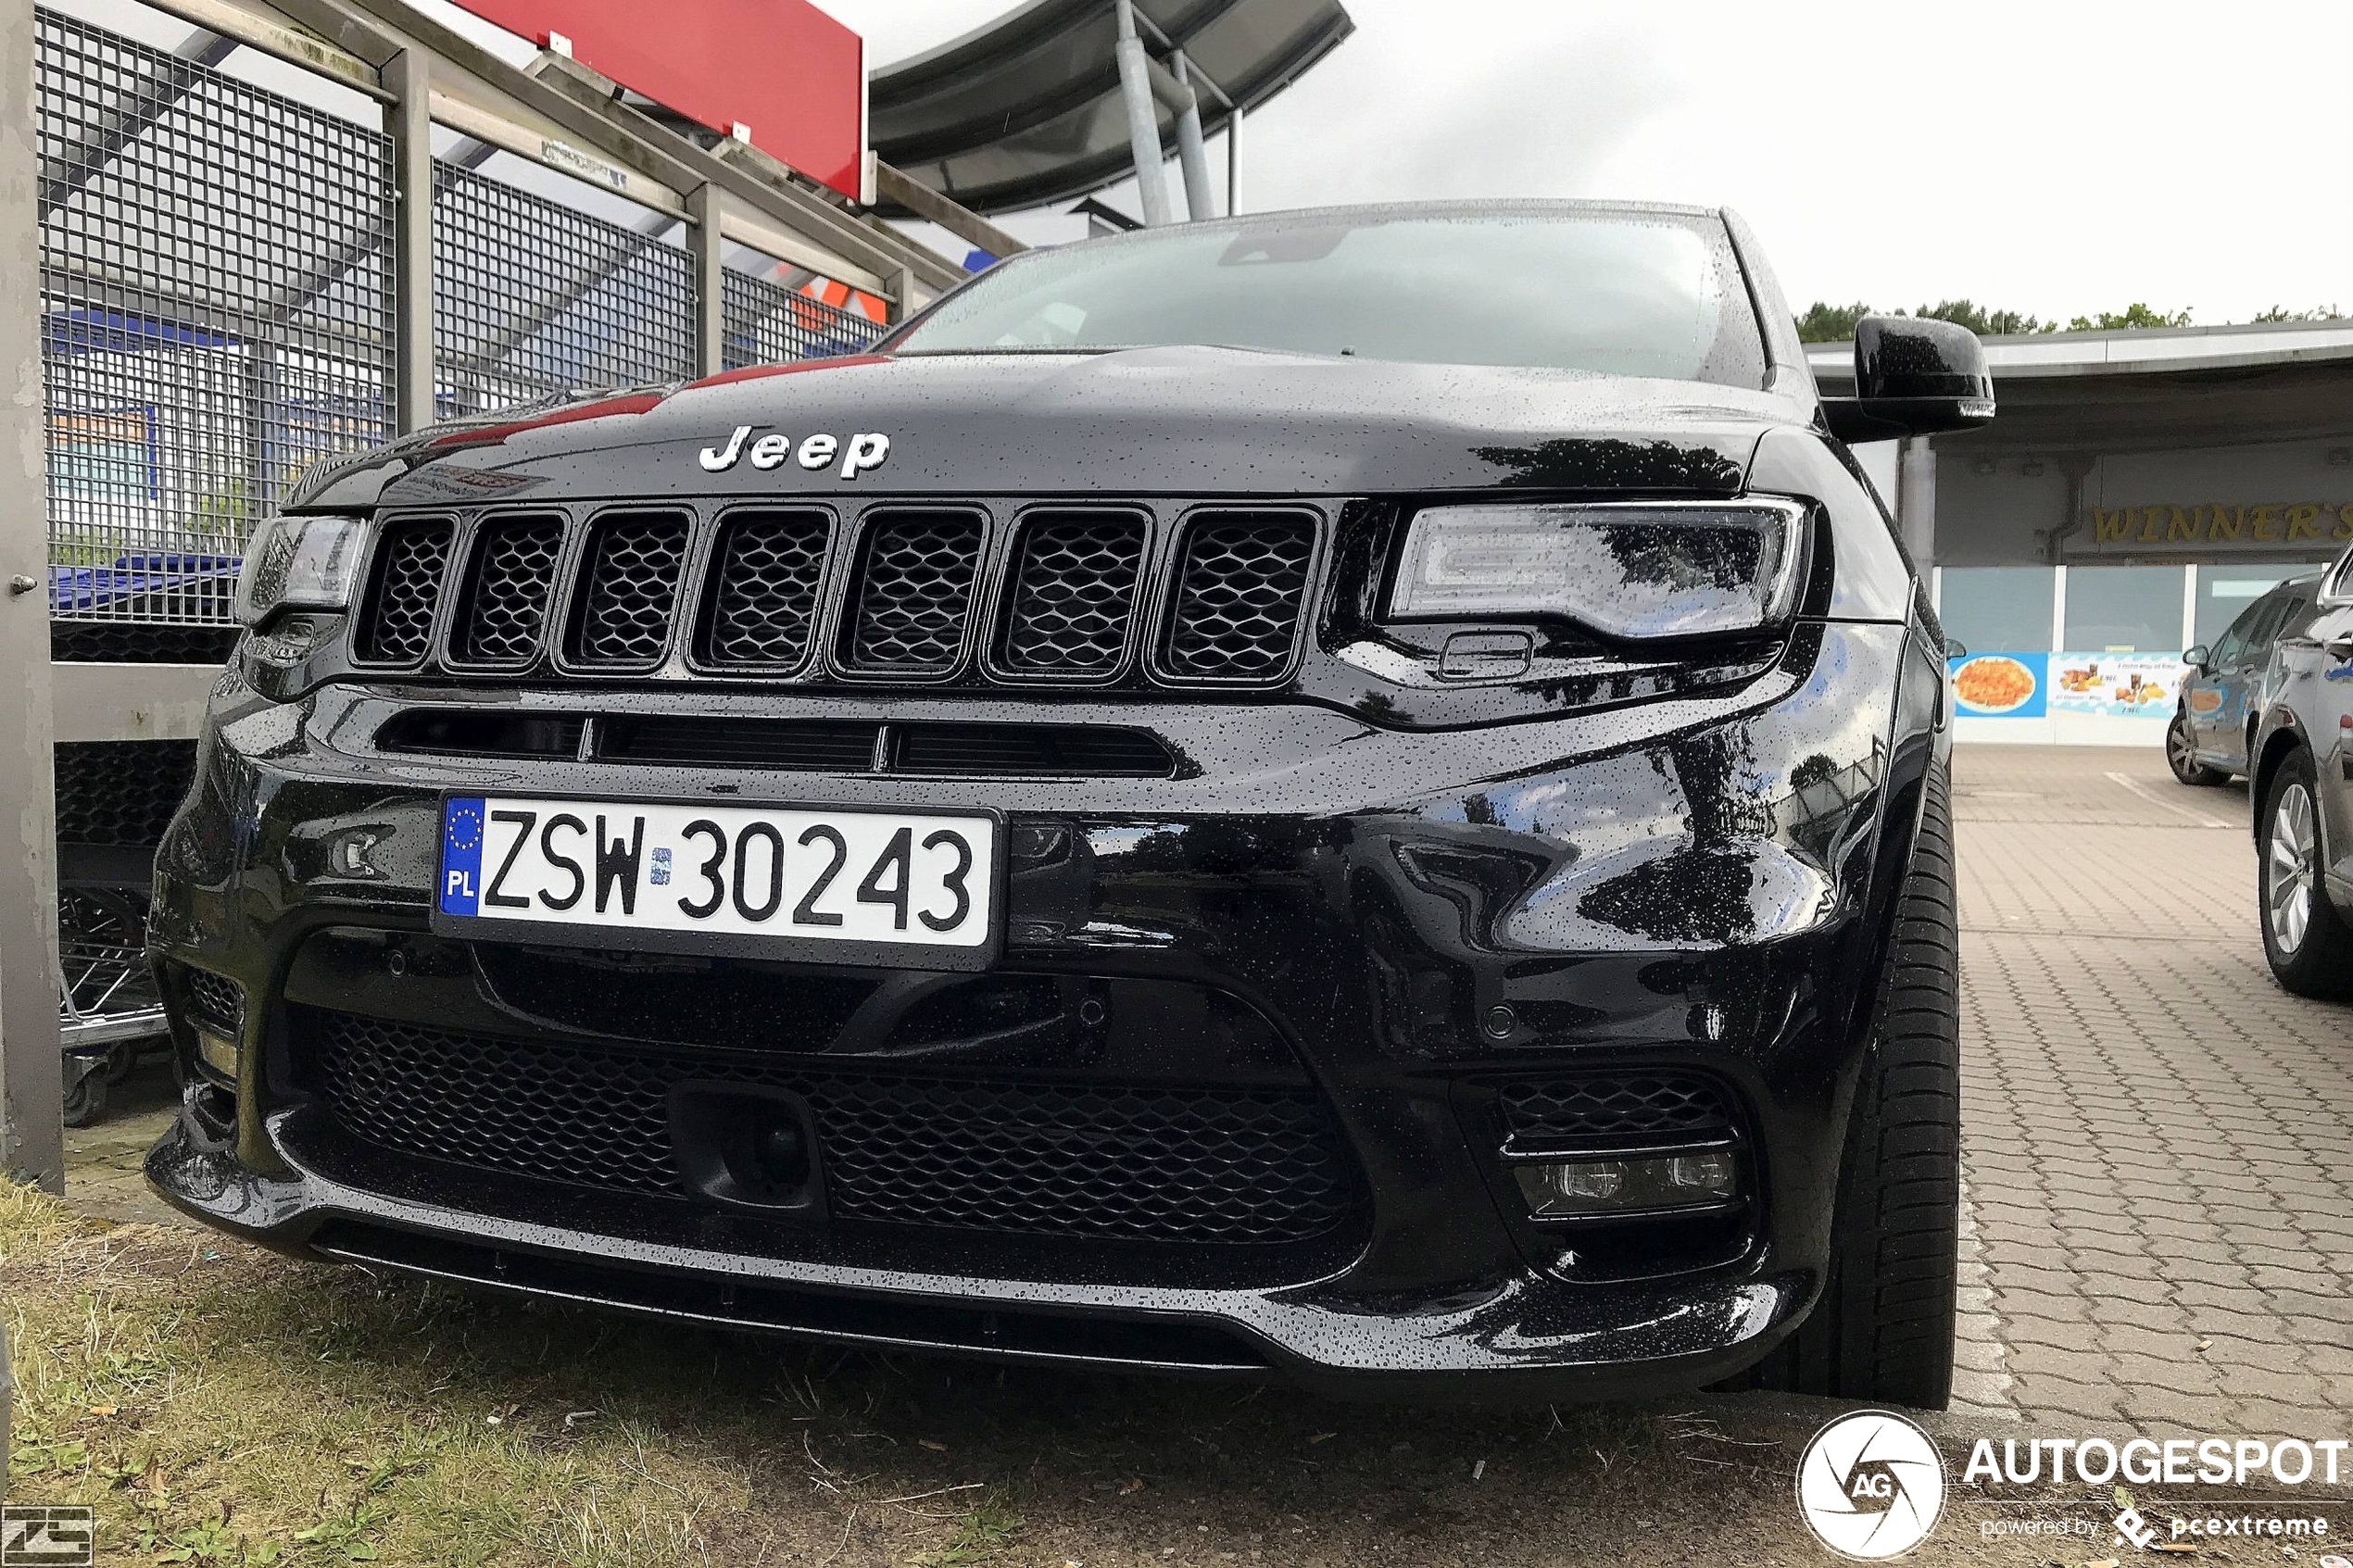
column 1462, row 1006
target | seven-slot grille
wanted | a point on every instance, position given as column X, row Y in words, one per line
column 902, row 592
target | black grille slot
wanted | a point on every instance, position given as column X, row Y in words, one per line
column 813, row 745
column 1258, row 1165
column 1241, row 585
column 503, row 610
column 914, row 593
column 468, row 733
column 1074, row 593
column 121, row 793
column 628, row 590
column 395, row 622
column 1618, row 1105
column 217, row 999
column 764, row 594
column 1030, row 751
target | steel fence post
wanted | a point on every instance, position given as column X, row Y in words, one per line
column 703, row 241
column 408, row 78
column 32, row 1069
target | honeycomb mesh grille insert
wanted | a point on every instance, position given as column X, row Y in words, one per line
column 629, row 590
column 396, row 624
column 121, row 793
column 1227, row 1165
column 914, row 593
column 504, row 608
column 1242, row 583
column 764, row 598
column 219, row 1000
column 1662, row 1104
column 1074, row 593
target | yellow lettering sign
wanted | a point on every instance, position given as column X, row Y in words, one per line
column 2263, row 522
column 2300, row 521
column 2110, row 527
column 2227, row 522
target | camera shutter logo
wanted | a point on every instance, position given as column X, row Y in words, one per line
column 1870, row 1486
column 46, row 1536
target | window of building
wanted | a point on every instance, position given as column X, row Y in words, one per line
column 2224, row 592
column 1999, row 608
column 2125, row 609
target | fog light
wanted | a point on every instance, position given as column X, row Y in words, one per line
column 1626, row 1186
column 218, row 1052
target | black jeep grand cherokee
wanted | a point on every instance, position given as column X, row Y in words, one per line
column 1352, row 795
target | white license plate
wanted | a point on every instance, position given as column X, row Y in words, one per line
column 727, row 873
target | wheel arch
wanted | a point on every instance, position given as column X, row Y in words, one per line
column 2278, row 746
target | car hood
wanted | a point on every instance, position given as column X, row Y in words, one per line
column 1175, row 421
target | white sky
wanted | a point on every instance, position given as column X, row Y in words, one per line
column 2055, row 159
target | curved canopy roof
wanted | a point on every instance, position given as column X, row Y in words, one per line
column 1026, row 110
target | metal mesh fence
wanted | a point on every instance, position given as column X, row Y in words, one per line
column 530, row 297
column 217, row 291
column 217, row 301
column 767, row 323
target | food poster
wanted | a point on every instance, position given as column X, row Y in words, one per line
column 2118, row 685
column 1999, row 686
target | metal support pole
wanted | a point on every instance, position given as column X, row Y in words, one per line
column 32, row 1069
column 1192, row 158
column 408, row 77
column 900, row 302
column 1233, row 160
column 1143, row 120
column 703, row 243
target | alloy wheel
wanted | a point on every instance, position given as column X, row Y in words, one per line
column 2289, row 889
column 2177, row 749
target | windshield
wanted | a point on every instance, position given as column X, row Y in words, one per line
column 1637, row 294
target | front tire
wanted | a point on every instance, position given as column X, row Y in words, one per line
column 2306, row 940
column 2181, row 755
column 1882, row 1330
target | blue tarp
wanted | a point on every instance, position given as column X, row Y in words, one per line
column 79, row 589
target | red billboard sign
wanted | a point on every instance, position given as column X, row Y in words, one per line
column 792, row 74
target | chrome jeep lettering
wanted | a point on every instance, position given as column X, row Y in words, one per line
column 718, row 460
column 867, row 449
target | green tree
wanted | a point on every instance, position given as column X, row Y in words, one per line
column 1984, row 322
column 2132, row 316
column 2318, row 313
column 1824, row 322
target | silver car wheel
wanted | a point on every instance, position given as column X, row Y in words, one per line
column 2178, row 750
column 2289, row 886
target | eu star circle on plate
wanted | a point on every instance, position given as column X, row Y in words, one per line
column 465, row 828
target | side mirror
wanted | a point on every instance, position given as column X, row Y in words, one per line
column 2198, row 656
column 1956, row 648
column 1913, row 375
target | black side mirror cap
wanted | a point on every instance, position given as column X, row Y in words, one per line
column 1956, row 648
column 1913, row 375
column 2200, row 656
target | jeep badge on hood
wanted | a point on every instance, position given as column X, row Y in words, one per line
column 866, row 450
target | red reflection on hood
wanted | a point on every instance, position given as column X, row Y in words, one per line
column 491, row 435
column 757, row 372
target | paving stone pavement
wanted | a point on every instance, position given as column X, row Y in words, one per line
column 2155, row 1136
column 2158, row 1234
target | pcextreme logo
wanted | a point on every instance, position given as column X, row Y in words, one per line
column 1870, row 1486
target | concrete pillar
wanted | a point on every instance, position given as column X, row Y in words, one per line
column 1916, row 498
column 1192, row 156
column 31, row 1070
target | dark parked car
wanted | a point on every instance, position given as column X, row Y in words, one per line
column 1354, row 795
column 2211, row 738
column 2303, row 789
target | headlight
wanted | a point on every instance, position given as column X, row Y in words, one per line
column 301, row 563
column 1636, row 571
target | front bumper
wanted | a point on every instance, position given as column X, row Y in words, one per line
column 1697, row 888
